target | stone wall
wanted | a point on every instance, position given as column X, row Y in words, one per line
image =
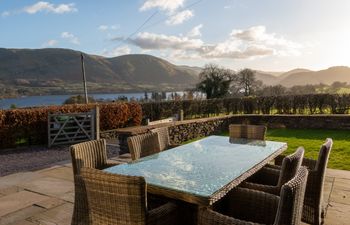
column 182, row 131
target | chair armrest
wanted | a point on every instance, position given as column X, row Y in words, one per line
column 309, row 163
column 279, row 159
column 164, row 215
column 210, row 217
column 252, row 205
column 276, row 167
column 109, row 164
column 266, row 175
column 261, row 187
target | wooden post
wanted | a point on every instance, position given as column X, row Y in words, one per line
column 97, row 121
column 181, row 115
column 84, row 78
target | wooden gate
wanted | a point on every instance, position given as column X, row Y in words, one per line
column 72, row 128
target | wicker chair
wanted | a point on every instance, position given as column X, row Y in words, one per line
column 247, row 131
column 272, row 180
column 258, row 207
column 91, row 154
column 164, row 139
column 120, row 199
column 313, row 212
column 143, row 145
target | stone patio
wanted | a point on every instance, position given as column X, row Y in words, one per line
column 46, row 196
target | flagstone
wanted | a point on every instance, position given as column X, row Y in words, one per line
column 61, row 172
column 13, row 202
column 61, row 215
column 49, row 186
column 20, row 215
column 338, row 214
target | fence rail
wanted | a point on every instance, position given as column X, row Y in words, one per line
column 72, row 127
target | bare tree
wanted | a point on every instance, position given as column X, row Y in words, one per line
column 215, row 81
column 247, row 82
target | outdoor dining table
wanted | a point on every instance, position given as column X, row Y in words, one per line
column 202, row 171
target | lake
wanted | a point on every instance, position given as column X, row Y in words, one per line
column 29, row 101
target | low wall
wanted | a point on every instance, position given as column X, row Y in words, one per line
column 182, row 131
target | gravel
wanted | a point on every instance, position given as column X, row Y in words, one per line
column 36, row 158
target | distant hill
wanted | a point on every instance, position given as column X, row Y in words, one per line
column 31, row 65
column 328, row 76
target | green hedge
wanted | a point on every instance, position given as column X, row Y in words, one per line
column 291, row 104
column 29, row 126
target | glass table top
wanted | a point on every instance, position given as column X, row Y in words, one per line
column 202, row 167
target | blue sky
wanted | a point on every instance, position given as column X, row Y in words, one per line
column 259, row 34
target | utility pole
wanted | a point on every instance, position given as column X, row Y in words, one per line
column 84, row 78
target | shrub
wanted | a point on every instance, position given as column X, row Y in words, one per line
column 30, row 124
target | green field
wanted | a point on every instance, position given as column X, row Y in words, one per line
column 311, row 140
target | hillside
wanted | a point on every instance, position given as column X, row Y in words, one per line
column 328, row 76
column 44, row 66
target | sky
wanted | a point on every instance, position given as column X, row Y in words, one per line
column 268, row 35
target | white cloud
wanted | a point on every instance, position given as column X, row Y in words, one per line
column 104, row 27
column 50, row 8
column 49, row 43
column 124, row 50
column 196, row 31
column 70, row 37
column 160, row 41
column 5, row 13
column 241, row 44
column 164, row 5
column 179, row 17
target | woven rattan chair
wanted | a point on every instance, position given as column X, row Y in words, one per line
column 273, row 180
column 313, row 212
column 143, row 145
column 247, row 131
column 91, row 154
column 164, row 139
column 120, row 199
column 258, row 207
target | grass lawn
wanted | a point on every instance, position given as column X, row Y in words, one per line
column 311, row 140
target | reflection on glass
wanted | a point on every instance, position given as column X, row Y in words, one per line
column 244, row 141
column 201, row 167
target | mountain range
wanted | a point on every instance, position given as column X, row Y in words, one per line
column 53, row 67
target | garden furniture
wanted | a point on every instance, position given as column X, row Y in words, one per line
column 164, row 139
column 143, row 145
column 203, row 171
column 120, row 199
column 247, row 131
column 251, row 207
column 92, row 154
column 313, row 212
column 290, row 166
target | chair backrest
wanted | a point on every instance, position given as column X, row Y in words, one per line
column 323, row 156
column 290, row 166
column 247, row 131
column 115, row 199
column 143, row 145
column 164, row 139
column 92, row 154
column 292, row 199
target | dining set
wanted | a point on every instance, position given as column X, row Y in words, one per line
column 240, row 179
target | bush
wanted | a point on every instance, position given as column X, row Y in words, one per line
column 30, row 125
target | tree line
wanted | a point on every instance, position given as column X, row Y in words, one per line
column 218, row 82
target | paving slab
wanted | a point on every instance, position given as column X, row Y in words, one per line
column 49, row 186
column 10, row 190
column 14, row 202
column 338, row 173
column 61, row 172
column 340, row 196
column 50, row 203
column 61, row 215
column 20, row 215
column 18, row 178
column 68, row 197
column 338, row 214
column 23, row 222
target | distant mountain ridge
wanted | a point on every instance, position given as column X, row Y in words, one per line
column 59, row 71
column 64, row 64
